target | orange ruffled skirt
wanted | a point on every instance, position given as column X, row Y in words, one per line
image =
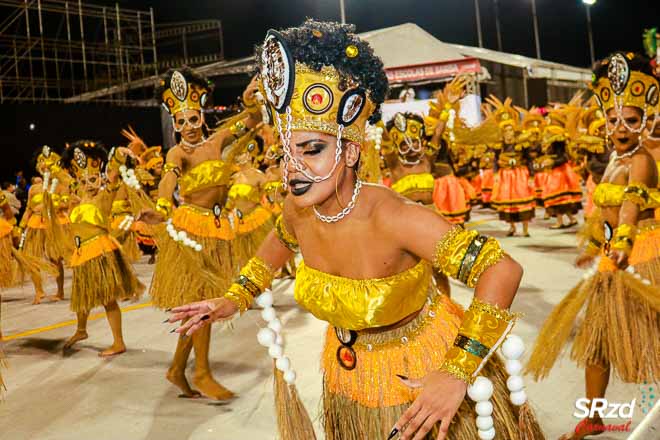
column 561, row 191
column 487, row 182
column 451, row 200
column 365, row 402
column 512, row 195
column 540, row 179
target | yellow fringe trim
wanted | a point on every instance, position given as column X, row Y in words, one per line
column 201, row 222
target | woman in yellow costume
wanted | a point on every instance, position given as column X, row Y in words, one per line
column 562, row 194
column 596, row 150
column 368, row 265
column 101, row 273
column 195, row 259
column 252, row 221
column 513, row 197
column 44, row 224
column 621, row 321
column 273, row 191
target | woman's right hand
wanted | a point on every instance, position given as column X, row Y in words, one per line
column 198, row 314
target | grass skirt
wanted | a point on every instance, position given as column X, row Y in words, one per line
column 250, row 233
column 101, row 273
column 621, row 320
column 365, row 403
column 40, row 243
column 183, row 275
column 14, row 265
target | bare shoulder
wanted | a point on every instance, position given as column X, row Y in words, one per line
column 174, row 155
column 390, row 210
column 643, row 168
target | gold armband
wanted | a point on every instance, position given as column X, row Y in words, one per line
column 444, row 115
column 164, row 206
column 255, row 277
column 483, row 329
column 12, row 221
column 171, row 167
column 465, row 255
column 238, row 129
column 3, row 199
column 23, row 223
column 624, row 238
column 637, row 193
column 593, row 246
column 286, row 238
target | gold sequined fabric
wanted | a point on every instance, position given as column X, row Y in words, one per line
column 359, row 304
column 207, row 174
column 611, row 194
column 414, row 183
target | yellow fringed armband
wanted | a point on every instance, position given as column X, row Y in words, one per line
column 255, row 277
column 624, row 238
column 171, row 167
column 286, row 238
column 637, row 193
column 238, row 129
column 3, row 199
column 483, row 329
column 164, row 207
column 464, row 255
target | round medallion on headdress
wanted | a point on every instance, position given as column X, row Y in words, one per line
column 637, row 88
column 351, row 106
column 652, row 95
column 80, row 158
column 618, row 72
column 194, row 96
column 45, row 151
column 400, row 122
column 605, row 94
column 277, row 72
column 179, row 85
column 318, row 98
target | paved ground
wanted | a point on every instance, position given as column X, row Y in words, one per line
column 82, row 396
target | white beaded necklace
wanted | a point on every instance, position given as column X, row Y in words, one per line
column 626, row 154
column 344, row 212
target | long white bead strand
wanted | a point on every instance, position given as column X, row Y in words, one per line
column 481, row 391
column 512, row 350
column 271, row 337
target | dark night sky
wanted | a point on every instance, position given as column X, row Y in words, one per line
column 617, row 24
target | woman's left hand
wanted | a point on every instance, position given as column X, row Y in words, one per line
column 441, row 396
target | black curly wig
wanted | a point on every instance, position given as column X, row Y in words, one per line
column 636, row 62
column 92, row 149
column 324, row 43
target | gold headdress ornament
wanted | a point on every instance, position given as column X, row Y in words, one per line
column 48, row 159
column 82, row 164
column 593, row 119
column 406, row 130
column 148, row 157
column 624, row 87
column 180, row 95
column 532, row 120
column 504, row 113
column 304, row 99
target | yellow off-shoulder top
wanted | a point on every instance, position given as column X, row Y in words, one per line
column 37, row 199
column 360, row 304
column 610, row 194
column 414, row 183
column 88, row 213
column 207, row 174
column 243, row 191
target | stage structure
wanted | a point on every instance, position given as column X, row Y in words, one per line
column 74, row 51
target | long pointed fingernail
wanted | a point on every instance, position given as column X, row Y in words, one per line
column 173, row 330
column 394, row 432
column 205, row 317
column 168, row 310
column 167, row 320
column 402, row 377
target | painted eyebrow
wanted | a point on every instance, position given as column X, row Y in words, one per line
column 310, row 141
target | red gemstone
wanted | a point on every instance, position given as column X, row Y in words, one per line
column 317, row 98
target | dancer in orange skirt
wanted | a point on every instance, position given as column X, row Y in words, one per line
column 562, row 195
column 596, row 150
column 513, row 197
